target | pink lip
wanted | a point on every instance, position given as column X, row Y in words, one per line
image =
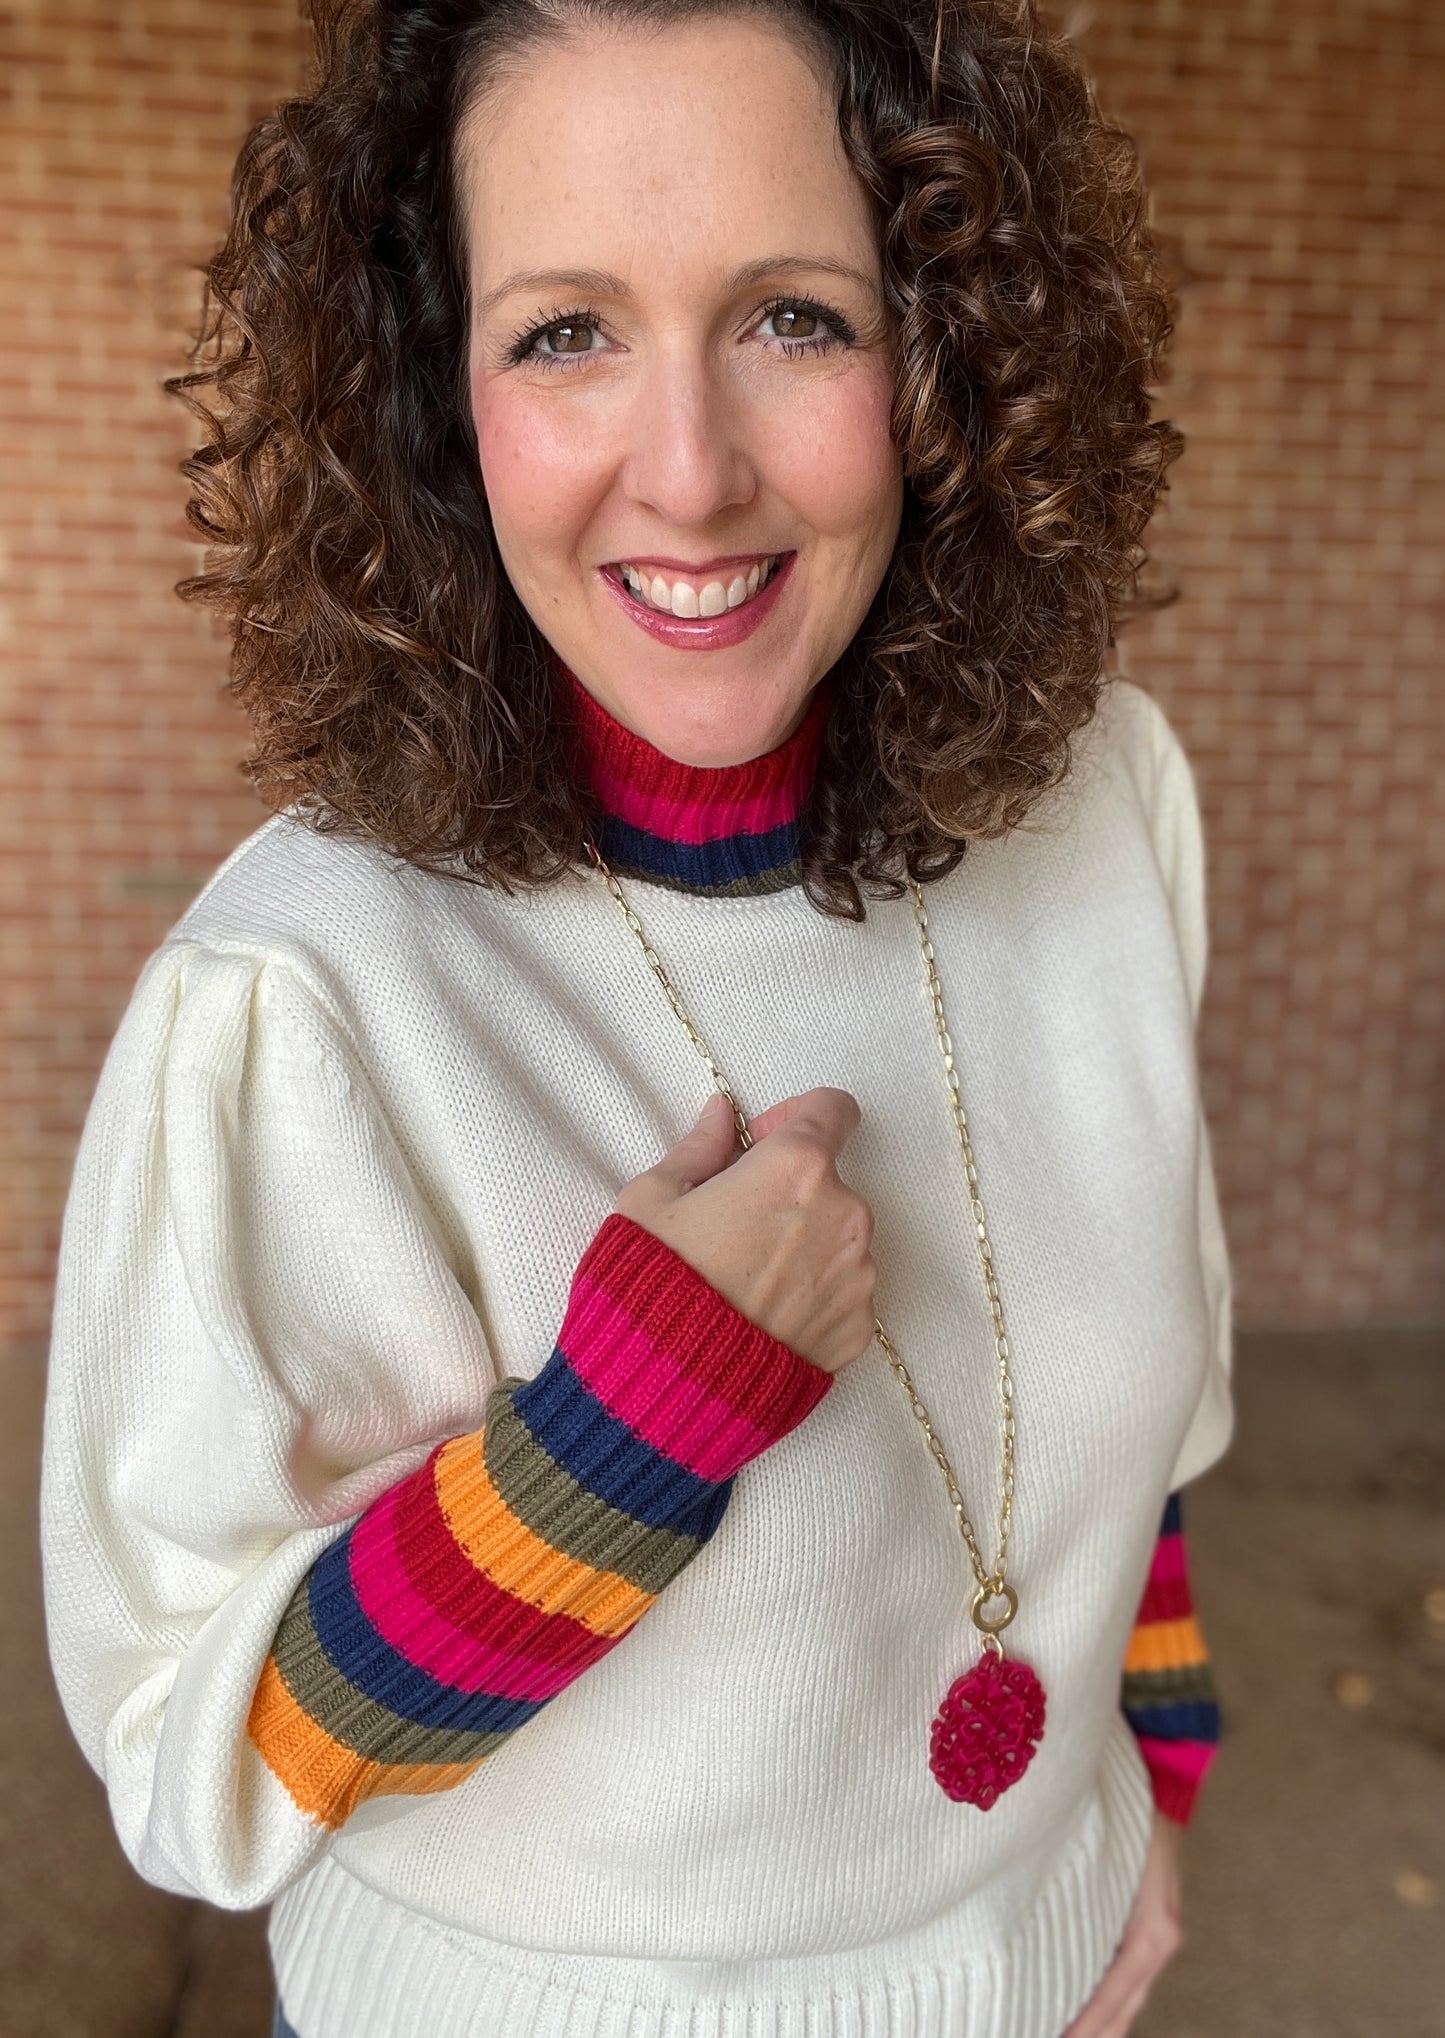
column 704, row 633
column 694, row 567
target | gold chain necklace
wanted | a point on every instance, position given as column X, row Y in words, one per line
column 987, row 1728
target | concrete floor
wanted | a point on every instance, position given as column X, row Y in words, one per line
column 1315, row 1865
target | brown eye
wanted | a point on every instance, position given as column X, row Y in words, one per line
column 795, row 324
column 572, row 337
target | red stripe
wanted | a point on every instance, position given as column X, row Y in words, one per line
column 637, row 1380
column 691, row 803
column 1164, row 1599
column 696, row 821
column 1176, row 1771
column 1168, row 1560
column 412, row 1628
column 710, row 1343
column 444, row 1576
column 1166, row 1592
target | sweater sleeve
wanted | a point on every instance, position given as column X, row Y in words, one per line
column 303, row 1544
column 474, row 1591
column 1179, row 846
column 1169, row 1696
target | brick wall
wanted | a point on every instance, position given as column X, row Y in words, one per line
column 120, row 793
column 1296, row 154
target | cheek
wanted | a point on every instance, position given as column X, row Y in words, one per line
column 834, row 459
column 540, row 483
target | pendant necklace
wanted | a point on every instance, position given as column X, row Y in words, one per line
column 992, row 1716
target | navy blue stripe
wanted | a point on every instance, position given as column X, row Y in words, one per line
column 1196, row 1721
column 600, row 1452
column 1173, row 1520
column 700, row 864
column 353, row 1647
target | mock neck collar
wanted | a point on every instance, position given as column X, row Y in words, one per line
column 726, row 831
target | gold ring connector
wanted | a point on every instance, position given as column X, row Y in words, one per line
column 993, row 1591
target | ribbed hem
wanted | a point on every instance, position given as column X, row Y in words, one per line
column 719, row 1349
column 1175, row 1799
column 351, row 1963
column 1177, row 1775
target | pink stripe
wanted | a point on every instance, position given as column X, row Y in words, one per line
column 694, row 821
column 1188, row 1759
column 640, row 1383
column 1167, row 1566
column 423, row 1636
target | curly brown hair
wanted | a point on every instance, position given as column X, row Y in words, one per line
column 397, row 687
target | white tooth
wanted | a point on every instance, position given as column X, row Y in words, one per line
column 660, row 593
column 754, row 575
column 713, row 600
column 684, row 599
column 737, row 591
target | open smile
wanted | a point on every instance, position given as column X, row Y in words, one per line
column 700, row 608
column 690, row 595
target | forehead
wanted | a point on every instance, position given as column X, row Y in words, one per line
column 723, row 129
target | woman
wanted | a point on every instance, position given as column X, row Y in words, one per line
column 694, row 458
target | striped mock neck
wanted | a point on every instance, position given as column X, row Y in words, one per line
column 726, row 831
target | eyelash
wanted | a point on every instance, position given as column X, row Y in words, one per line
column 836, row 331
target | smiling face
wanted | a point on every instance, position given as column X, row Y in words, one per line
column 681, row 373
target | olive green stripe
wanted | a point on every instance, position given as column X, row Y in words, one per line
column 1165, row 1687
column 359, row 1723
column 780, row 879
column 567, row 1516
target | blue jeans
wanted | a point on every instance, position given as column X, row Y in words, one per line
column 281, row 2029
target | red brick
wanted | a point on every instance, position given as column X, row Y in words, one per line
column 1297, row 165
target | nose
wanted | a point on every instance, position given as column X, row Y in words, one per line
column 689, row 459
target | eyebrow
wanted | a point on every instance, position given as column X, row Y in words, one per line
column 602, row 282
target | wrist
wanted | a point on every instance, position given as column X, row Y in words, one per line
column 665, row 1352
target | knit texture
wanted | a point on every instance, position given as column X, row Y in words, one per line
column 447, row 1616
column 1169, row 1693
column 739, row 830
column 354, row 1137
column 519, row 1554
column 734, row 831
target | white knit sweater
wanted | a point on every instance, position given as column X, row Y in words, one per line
column 354, row 1132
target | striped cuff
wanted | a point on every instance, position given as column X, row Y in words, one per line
column 471, row 1593
column 1169, row 1696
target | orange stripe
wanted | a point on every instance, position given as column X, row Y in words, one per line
column 505, row 1550
column 322, row 1778
column 1166, row 1645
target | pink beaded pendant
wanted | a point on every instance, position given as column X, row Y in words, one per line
column 987, row 1729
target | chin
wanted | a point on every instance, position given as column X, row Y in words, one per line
column 714, row 723
column 714, row 745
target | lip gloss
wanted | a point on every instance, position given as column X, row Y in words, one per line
column 704, row 633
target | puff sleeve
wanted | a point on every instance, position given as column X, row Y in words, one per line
column 302, row 1545
column 1179, row 843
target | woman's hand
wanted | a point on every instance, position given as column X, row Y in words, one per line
column 777, row 1233
column 1151, row 1939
